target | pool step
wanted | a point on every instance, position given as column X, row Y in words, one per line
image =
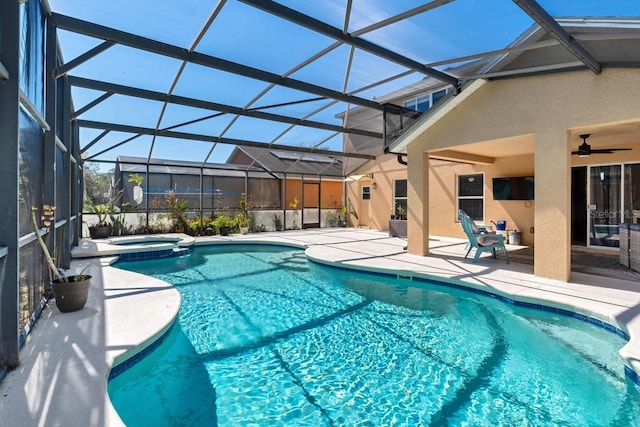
column 179, row 251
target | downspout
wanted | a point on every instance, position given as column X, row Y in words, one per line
column 399, row 157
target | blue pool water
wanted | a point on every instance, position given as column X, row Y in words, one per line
column 266, row 338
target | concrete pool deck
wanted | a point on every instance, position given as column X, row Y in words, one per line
column 65, row 363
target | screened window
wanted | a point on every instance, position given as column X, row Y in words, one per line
column 31, row 73
column 264, row 193
column 471, row 195
column 366, row 193
column 159, row 184
column 227, row 192
column 187, row 188
column 207, row 192
column 31, row 161
column 400, row 197
column 61, row 184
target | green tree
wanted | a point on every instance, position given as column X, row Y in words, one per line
column 96, row 185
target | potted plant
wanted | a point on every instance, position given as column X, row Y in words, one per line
column 401, row 212
column 242, row 222
column 223, row 224
column 136, row 180
column 177, row 211
column 343, row 217
column 103, row 211
column 294, row 205
column 277, row 222
column 355, row 216
column 101, row 229
column 70, row 292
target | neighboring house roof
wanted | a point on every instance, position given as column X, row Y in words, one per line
column 279, row 162
column 133, row 164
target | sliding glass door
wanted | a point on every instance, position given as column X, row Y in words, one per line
column 605, row 205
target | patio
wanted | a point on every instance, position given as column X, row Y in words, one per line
column 63, row 376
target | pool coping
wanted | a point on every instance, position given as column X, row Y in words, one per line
column 82, row 348
column 147, row 243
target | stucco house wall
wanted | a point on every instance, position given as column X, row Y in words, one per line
column 553, row 109
column 376, row 212
column 442, row 196
column 546, row 113
column 443, row 215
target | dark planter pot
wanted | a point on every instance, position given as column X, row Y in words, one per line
column 100, row 232
column 72, row 295
column 224, row 231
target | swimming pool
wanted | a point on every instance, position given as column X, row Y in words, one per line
column 264, row 337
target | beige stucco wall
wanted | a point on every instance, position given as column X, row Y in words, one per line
column 442, row 195
column 529, row 105
column 546, row 112
column 546, row 108
column 519, row 214
column 375, row 214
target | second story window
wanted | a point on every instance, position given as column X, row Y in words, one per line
column 423, row 103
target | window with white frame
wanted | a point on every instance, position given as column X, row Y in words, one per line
column 471, row 195
column 400, row 198
column 423, row 103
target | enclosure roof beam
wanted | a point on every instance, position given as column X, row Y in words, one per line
column 337, row 34
column 95, row 140
column 90, row 105
column 208, row 105
column 138, row 42
column 64, row 69
column 546, row 21
column 214, row 139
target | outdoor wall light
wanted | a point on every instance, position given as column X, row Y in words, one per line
column 374, row 185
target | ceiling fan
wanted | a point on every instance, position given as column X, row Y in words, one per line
column 585, row 150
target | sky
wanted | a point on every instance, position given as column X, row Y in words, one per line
column 248, row 36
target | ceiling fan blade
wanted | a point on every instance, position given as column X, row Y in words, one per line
column 585, row 150
column 608, row 150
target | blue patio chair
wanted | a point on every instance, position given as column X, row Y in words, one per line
column 481, row 241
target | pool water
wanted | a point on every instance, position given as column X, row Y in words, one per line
column 267, row 338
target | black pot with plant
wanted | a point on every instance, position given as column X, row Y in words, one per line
column 71, row 295
column 101, row 229
column 223, row 223
column 70, row 292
